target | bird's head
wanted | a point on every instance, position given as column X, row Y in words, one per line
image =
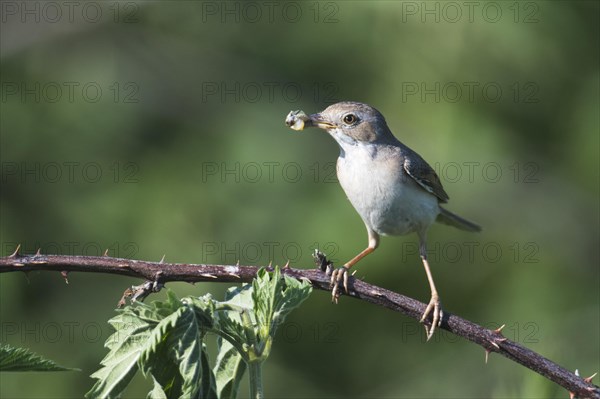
column 352, row 123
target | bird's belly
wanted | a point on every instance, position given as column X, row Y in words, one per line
column 390, row 204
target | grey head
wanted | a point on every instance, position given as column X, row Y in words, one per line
column 352, row 123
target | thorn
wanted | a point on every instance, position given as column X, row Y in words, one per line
column 234, row 275
column 287, row 265
column 208, row 275
column 237, row 263
column 162, row 260
column 38, row 252
column 270, row 264
column 572, row 394
column 306, row 279
column 105, row 252
column 590, row 378
column 496, row 341
column 64, row 275
column 499, row 329
column 16, row 253
column 354, row 272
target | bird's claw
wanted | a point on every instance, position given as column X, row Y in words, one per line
column 434, row 305
column 338, row 275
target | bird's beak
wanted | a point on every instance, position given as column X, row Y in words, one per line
column 317, row 120
column 298, row 120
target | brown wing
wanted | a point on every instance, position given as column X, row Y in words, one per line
column 424, row 175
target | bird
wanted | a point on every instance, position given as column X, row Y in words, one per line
column 391, row 187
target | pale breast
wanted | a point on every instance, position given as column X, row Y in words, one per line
column 386, row 198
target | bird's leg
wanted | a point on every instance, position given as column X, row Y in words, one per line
column 341, row 274
column 435, row 304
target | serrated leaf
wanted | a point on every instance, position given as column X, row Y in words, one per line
column 173, row 354
column 230, row 365
column 157, row 310
column 231, row 331
column 164, row 339
column 275, row 297
column 293, row 294
column 209, row 385
column 229, row 370
column 22, row 359
column 264, row 294
column 228, row 323
column 188, row 353
column 265, row 304
column 157, row 392
column 157, row 360
column 240, row 296
column 121, row 363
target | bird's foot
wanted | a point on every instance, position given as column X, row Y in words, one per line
column 435, row 309
column 339, row 275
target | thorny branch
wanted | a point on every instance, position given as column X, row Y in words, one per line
column 157, row 274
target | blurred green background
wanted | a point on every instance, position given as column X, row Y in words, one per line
column 154, row 128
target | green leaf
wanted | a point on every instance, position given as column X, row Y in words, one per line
column 229, row 324
column 274, row 298
column 156, row 359
column 230, row 365
column 229, row 370
column 157, row 392
column 209, row 384
column 293, row 294
column 121, row 363
column 248, row 320
column 22, row 359
column 264, row 293
column 188, row 354
column 174, row 352
column 164, row 340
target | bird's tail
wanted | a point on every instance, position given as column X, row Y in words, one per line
column 449, row 218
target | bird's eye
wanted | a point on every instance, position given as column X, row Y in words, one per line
column 349, row 119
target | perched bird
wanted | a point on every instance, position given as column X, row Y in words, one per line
column 392, row 188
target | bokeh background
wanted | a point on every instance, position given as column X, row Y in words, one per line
column 154, row 128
